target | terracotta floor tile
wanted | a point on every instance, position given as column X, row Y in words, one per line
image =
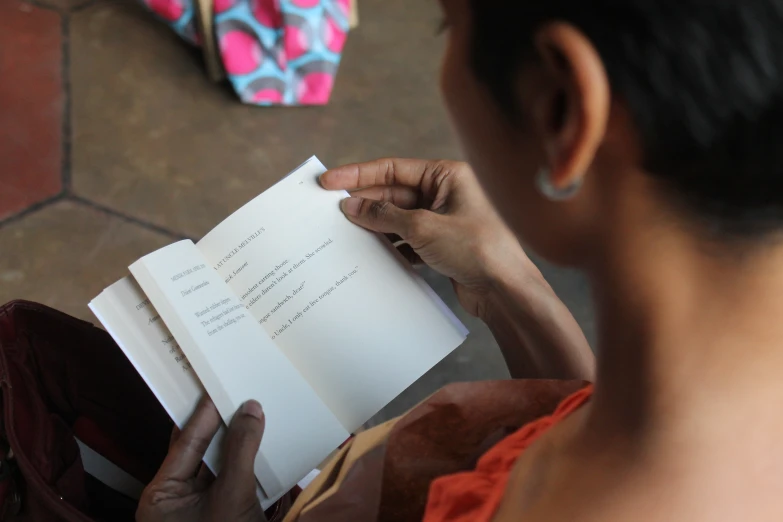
column 31, row 105
column 153, row 138
column 65, row 254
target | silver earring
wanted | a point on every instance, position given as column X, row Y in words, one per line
column 545, row 186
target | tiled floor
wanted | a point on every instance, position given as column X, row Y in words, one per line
column 114, row 143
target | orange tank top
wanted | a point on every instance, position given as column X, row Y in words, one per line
column 474, row 496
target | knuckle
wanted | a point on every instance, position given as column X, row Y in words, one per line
column 197, row 444
column 437, row 168
column 157, row 493
column 439, row 172
column 378, row 210
column 386, row 172
column 443, row 170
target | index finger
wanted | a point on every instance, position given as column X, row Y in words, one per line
column 387, row 171
column 186, row 453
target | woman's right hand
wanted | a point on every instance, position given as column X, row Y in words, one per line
column 439, row 210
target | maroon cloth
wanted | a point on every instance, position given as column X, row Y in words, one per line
column 60, row 377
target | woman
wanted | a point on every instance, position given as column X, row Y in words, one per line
column 634, row 140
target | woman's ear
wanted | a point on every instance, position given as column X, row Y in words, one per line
column 572, row 106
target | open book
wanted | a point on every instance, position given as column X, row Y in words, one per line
column 288, row 303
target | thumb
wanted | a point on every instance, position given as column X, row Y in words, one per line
column 378, row 216
column 242, row 443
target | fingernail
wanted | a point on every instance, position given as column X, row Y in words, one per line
column 253, row 409
column 321, row 179
column 351, row 206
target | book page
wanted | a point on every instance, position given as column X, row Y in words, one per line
column 132, row 321
column 339, row 301
column 236, row 361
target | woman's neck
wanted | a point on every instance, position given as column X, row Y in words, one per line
column 689, row 339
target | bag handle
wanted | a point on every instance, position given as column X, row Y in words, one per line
column 205, row 25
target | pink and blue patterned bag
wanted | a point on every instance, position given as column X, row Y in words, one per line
column 274, row 52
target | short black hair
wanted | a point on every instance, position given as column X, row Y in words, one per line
column 702, row 79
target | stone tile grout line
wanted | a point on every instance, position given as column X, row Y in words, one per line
column 62, row 10
column 66, row 192
column 125, row 217
column 35, row 207
column 40, row 205
column 41, row 5
column 83, row 6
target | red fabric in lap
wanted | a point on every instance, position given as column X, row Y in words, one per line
column 474, row 496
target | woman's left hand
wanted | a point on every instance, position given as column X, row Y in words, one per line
column 184, row 489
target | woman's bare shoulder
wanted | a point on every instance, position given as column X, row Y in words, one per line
column 558, row 478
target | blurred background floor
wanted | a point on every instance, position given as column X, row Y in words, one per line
column 114, row 143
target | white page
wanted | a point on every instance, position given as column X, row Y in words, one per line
column 360, row 344
column 131, row 319
column 108, row 472
column 236, row 361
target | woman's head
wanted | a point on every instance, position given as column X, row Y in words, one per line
column 667, row 110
